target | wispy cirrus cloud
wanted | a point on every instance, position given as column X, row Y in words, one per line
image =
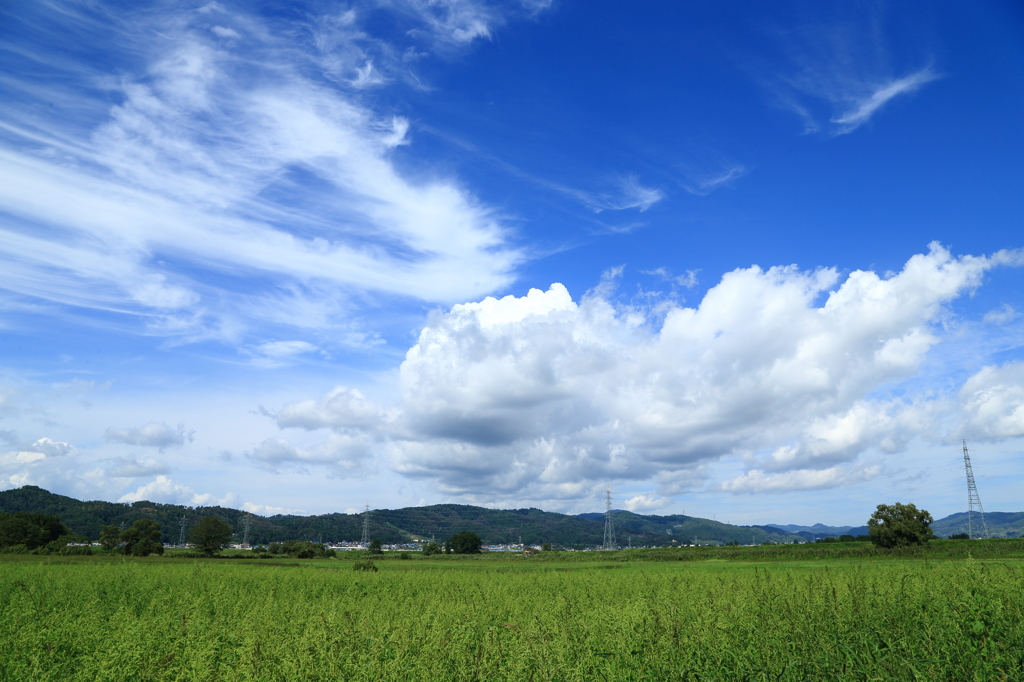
column 853, row 99
column 228, row 171
column 837, row 74
column 705, row 184
column 628, row 193
column 631, row 194
column 865, row 106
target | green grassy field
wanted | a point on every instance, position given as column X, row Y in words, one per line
column 504, row 618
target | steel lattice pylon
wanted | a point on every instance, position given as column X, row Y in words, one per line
column 973, row 500
column 609, row 527
column 365, row 542
column 181, row 533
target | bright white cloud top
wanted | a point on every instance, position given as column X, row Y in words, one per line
column 540, row 396
column 293, row 258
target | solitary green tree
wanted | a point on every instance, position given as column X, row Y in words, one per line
column 110, row 537
column 466, row 542
column 431, row 548
column 210, row 535
column 375, row 547
column 898, row 525
column 142, row 539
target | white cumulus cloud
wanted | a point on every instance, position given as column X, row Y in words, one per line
column 992, row 403
column 154, row 434
column 51, row 448
column 341, row 453
column 783, row 367
column 165, row 490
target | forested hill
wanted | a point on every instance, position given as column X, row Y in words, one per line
column 440, row 521
column 1000, row 524
column 395, row 525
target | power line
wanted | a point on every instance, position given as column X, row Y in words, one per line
column 973, row 499
column 609, row 527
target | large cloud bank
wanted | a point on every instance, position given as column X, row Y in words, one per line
column 794, row 371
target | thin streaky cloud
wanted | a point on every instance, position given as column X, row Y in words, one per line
column 836, row 75
column 629, row 192
column 190, row 163
column 633, row 195
column 707, row 185
column 866, row 107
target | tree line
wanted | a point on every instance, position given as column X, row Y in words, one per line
column 46, row 534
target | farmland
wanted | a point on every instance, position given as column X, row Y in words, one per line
column 514, row 618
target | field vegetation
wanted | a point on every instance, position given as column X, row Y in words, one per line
column 746, row 613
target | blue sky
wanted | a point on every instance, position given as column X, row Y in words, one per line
column 757, row 263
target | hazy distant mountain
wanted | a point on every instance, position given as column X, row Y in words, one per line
column 821, row 530
column 1000, row 524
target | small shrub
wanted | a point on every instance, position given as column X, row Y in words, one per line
column 77, row 551
column 364, row 566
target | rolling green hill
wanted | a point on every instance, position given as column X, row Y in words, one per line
column 397, row 525
column 440, row 521
column 1000, row 524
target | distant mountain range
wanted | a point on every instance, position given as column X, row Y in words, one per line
column 494, row 526
column 820, row 530
column 1000, row 524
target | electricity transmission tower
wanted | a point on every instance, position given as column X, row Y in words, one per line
column 248, row 521
column 609, row 527
column 181, row 533
column 365, row 542
column 973, row 500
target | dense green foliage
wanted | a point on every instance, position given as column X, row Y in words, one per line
column 480, row 617
column 300, row 550
column 210, row 535
column 30, row 529
column 898, row 525
column 466, row 542
column 110, row 537
column 142, row 539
